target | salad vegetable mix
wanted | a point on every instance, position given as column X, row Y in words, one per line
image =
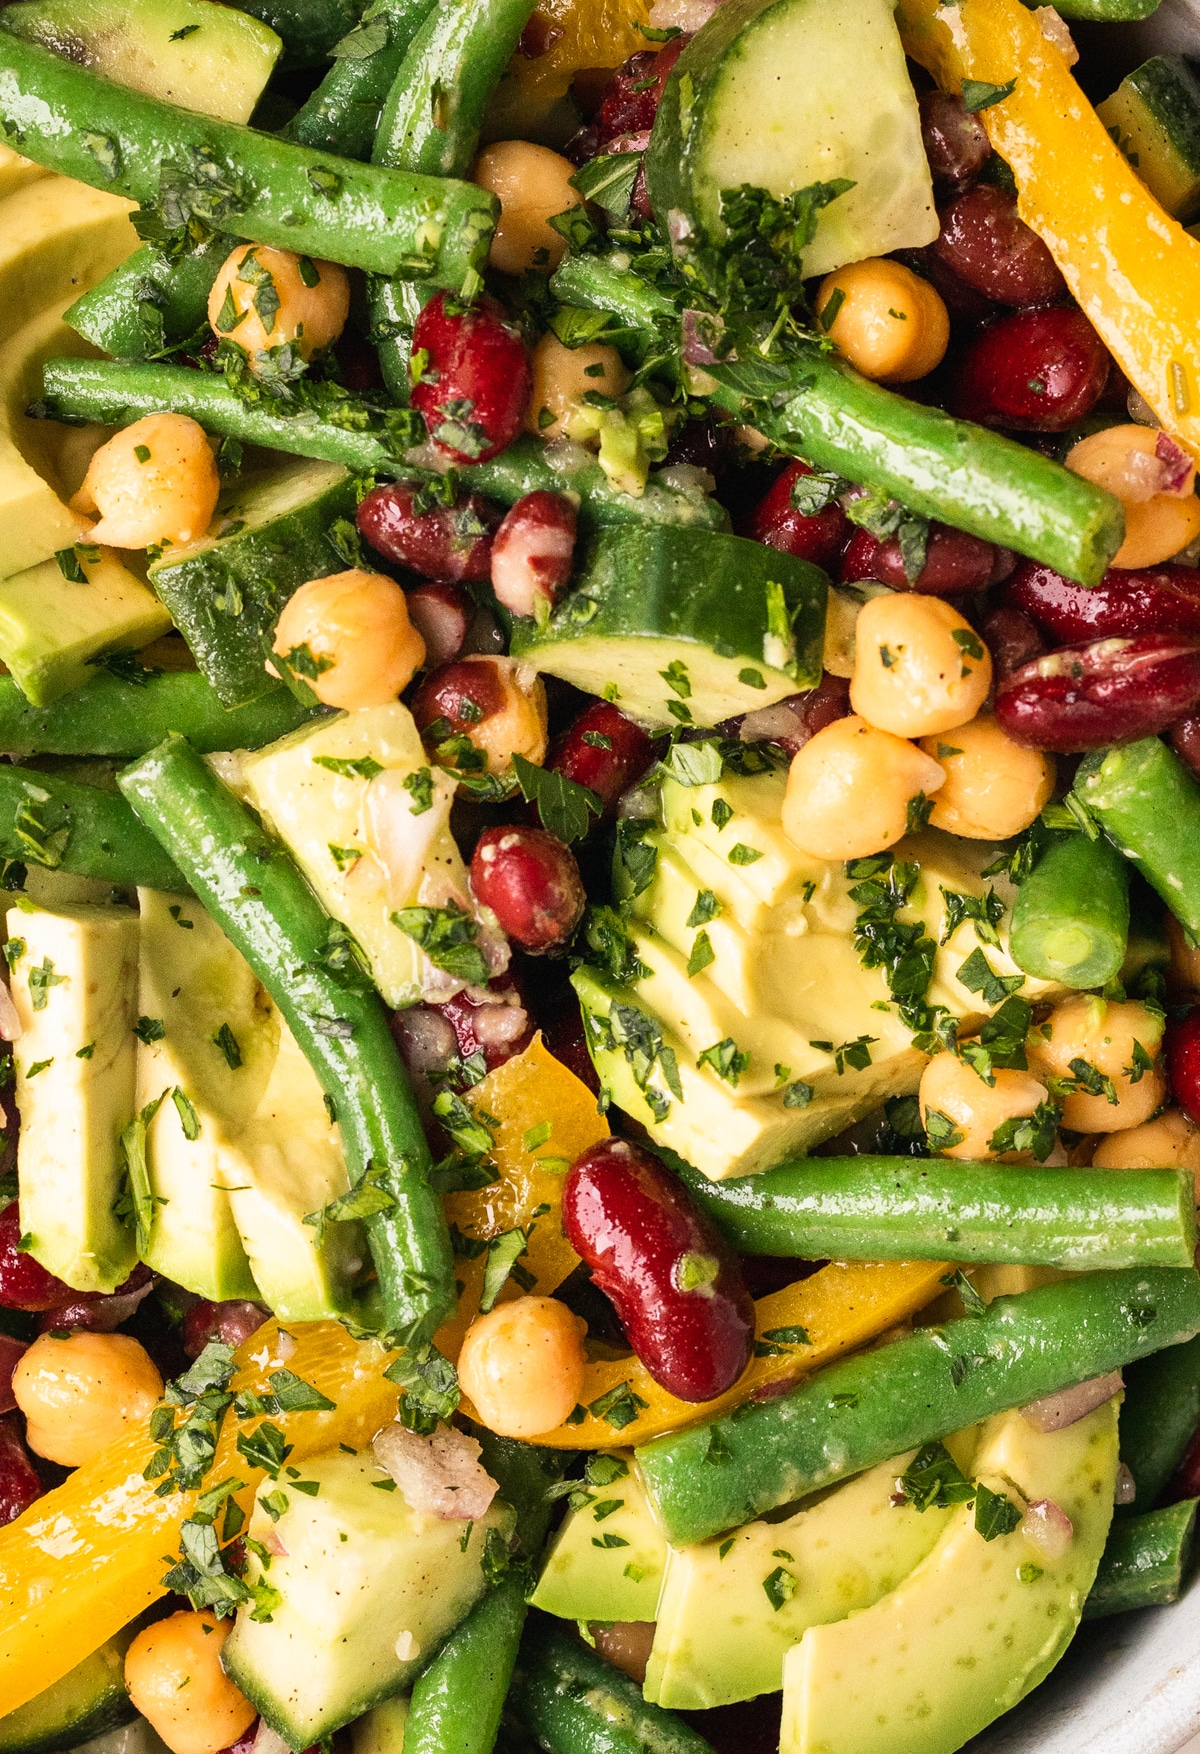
column 600, row 836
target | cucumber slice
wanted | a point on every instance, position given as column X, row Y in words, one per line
column 225, row 592
column 1154, row 117
column 90, row 1699
column 684, row 627
column 780, row 94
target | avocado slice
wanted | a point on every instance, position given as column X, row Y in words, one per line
column 52, row 628
column 977, row 1625
column 16, row 171
column 74, row 984
column 608, row 1558
column 56, row 238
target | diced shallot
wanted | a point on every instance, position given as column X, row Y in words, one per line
column 1177, row 466
column 1068, row 1406
column 269, row 1741
column 699, row 331
column 1124, row 1486
column 685, row 15
column 10, row 1023
column 425, row 1039
column 1048, row 1528
column 440, row 1474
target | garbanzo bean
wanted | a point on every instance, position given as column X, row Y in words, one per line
column 1170, row 1141
column 889, row 323
column 156, row 481
column 1185, row 962
column 175, row 1679
column 499, row 704
column 994, row 788
column 82, row 1391
column 532, row 185
column 350, row 638
column 849, row 790
column 919, row 666
column 562, row 377
column 264, row 298
column 522, row 1365
column 1123, row 460
column 950, row 1087
column 1117, row 1042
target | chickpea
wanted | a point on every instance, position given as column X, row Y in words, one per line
column 950, row 1087
column 82, row 1392
column 890, row 324
column 498, row 703
column 919, row 666
column 175, row 1679
column 562, row 376
column 532, row 185
column 1170, row 1141
column 849, row 790
column 156, row 481
column 314, row 300
column 1157, row 530
column 522, row 1366
column 1105, row 1036
column 1185, row 962
column 357, row 624
column 994, row 788
column 1123, row 459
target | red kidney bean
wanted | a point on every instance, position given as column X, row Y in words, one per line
column 603, row 750
column 531, row 883
column 776, row 521
column 19, row 1484
column 562, row 1029
column 23, row 1283
column 701, row 444
column 1012, row 639
column 1154, row 599
column 626, row 1644
column 532, row 552
column 963, row 303
column 986, row 243
column 476, row 380
column 1113, row 691
column 1185, row 1482
column 11, row 1353
column 1182, row 1049
column 954, row 562
column 441, row 613
column 464, row 694
column 1035, row 371
column 955, row 141
column 447, row 542
column 232, row 1322
column 499, row 1029
column 673, row 1280
column 792, row 722
column 1185, row 741
column 97, row 1313
column 630, row 100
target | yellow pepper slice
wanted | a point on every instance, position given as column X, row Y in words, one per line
column 1133, row 269
column 839, row 1307
column 85, row 1559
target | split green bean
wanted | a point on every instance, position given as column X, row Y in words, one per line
column 576, row 1703
column 152, row 303
column 1070, row 920
column 1148, row 804
column 1145, row 1561
column 50, row 821
column 343, row 112
column 1159, row 1418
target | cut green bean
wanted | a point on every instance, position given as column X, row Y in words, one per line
column 251, row 184
column 113, row 717
column 249, row 884
column 1145, row 1561
column 1105, row 11
column 45, row 820
column 878, row 1404
column 309, row 29
column 1070, row 920
column 151, row 303
column 931, row 1209
column 1159, row 1418
column 1148, row 804
column 576, row 1703
column 343, row 112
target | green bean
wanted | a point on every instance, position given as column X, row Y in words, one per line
column 46, row 820
column 1144, row 1561
column 343, row 112
column 111, row 716
column 864, row 1409
column 1159, row 1418
column 1149, row 806
column 309, row 28
column 1106, row 11
column 250, row 885
column 927, row 1209
column 151, row 303
column 1070, row 920
column 576, row 1703
column 251, row 184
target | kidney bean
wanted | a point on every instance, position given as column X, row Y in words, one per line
column 19, row 1483
column 1182, row 1050
column 1112, row 691
column 464, row 694
column 965, row 305
column 1185, row 741
column 985, row 242
column 532, row 552
column 475, row 380
column 11, row 1352
column 232, row 1322
column 673, row 1280
column 97, row 1313
column 441, row 613
column 1153, row 599
column 498, row 1029
column 629, row 102
column 1012, row 639
column 1035, row 371
column 531, row 883
column 603, row 750
column 776, row 521
column 446, row 542
column 792, row 722
column 23, row 1283
column 700, row 444
column 626, row 1644
column 955, row 141
column 954, row 562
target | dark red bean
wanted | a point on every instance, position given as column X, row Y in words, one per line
column 11, row 1353
column 464, row 694
column 532, row 552
column 1185, row 741
column 792, row 722
column 23, row 1283
column 531, row 883
column 447, row 542
column 626, row 1644
column 1185, row 1482
column 19, row 1484
column 1183, row 1061
column 475, row 379
column 1012, row 639
column 603, row 750
column 97, row 1313
column 1155, row 599
column 633, row 94
column 426, row 1039
column 441, row 613
column 232, row 1322
column 955, row 141
column 965, row 305
column 1034, row 371
column 673, row 1280
column 562, row 1029
column 775, row 520
column 1113, row 691
column 498, row 1030
column 986, row 244
column 954, row 562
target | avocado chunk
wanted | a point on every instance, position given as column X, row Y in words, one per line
column 381, row 1730
column 74, row 984
column 90, row 1699
column 53, row 627
column 607, row 1560
column 1154, row 117
column 57, row 237
column 367, row 1589
column 977, row 1624
column 16, row 171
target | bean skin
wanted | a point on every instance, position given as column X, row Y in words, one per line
column 776, row 521
column 955, row 141
column 1033, row 371
column 1183, row 1061
column 603, row 750
column 531, row 882
column 1112, row 691
column 1158, row 599
column 475, row 378
column 954, row 562
column 453, row 543
column 986, row 244
column 1012, row 639
column 23, row 1283
column 1185, row 741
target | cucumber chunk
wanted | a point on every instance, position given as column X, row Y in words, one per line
column 1154, row 117
column 684, row 627
column 779, row 94
column 88, row 1700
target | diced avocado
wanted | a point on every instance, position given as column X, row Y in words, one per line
column 381, row 1730
column 52, row 628
column 353, row 796
column 86, row 1702
column 977, row 1624
column 607, row 1560
column 367, row 1589
column 74, row 983
column 742, row 107
column 194, row 53
column 57, row 238
column 1154, row 117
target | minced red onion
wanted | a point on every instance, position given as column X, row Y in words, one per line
column 1177, row 465
column 440, row 1474
column 10, row 1023
column 1048, row 1528
column 269, row 1741
column 782, row 722
column 497, row 1025
column 98, row 1315
column 426, row 1038
column 697, row 330
column 1068, row 1406
column 1124, row 1486
column 10, row 1356
column 628, row 142
column 685, row 15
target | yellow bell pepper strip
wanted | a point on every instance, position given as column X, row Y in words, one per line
column 85, row 1559
column 840, row 1307
column 1133, row 269
column 541, row 1118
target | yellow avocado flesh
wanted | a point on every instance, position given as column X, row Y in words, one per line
column 52, row 628
column 606, row 1563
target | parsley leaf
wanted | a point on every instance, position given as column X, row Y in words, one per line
column 563, row 806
